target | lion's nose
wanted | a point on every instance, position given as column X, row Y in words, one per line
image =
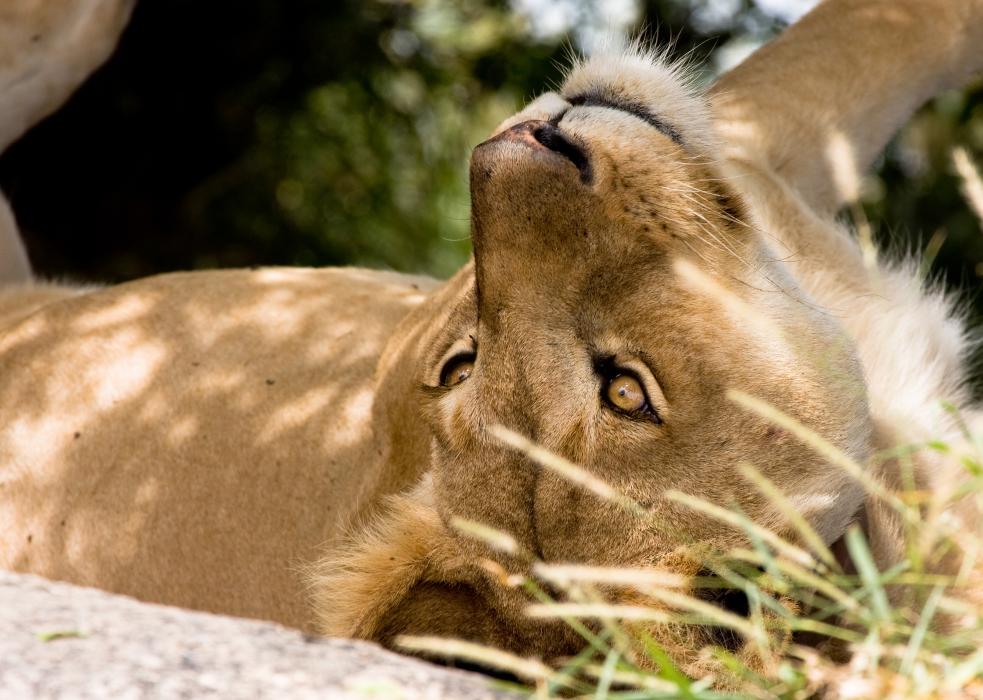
column 542, row 134
column 554, row 139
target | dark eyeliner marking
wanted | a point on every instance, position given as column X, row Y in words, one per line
column 598, row 99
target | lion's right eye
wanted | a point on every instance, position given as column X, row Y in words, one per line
column 623, row 389
column 625, row 393
column 457, row 369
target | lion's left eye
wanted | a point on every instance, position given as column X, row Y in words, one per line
column 457, row 369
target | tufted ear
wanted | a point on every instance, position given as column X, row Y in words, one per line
column 884, row 532
column 404, row 574
column 881, row 523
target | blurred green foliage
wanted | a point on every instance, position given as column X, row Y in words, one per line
column 366, row 164
column 315, row 133
column 916, row 193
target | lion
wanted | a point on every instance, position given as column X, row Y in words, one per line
column 296, row 445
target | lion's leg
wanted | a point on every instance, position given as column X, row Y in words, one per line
column 47, row 49
column 819, row 103
column 802, row 120
column 14, row 265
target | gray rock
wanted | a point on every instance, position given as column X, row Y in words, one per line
column 62, row 641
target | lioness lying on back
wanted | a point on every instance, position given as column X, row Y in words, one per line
column 640, row 251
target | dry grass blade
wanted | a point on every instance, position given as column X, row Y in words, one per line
column 964, row 673
column 802, row 526
column 605, row 675
column 738, row 521
column 635, row 680
column 931, row 252
column 869, row 574
column 643, row 579
column 818, row 443
column 918, row 636
column 825, row 629
column 972, row 182
column 702, row 283
column 529, row 669
column 600, row 611
column 713, row 613
column 496, row 539
column 800, row 576
column 565, row 468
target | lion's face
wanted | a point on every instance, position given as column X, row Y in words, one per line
column 619, row 290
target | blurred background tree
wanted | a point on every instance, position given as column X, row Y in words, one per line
column 323, row 132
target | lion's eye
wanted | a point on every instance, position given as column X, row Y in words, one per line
column 457, row 369
column 624, row 390
column 625, row 393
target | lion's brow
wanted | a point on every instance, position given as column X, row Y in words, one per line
column 598, row 99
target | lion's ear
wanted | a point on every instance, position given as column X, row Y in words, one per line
column 889, row 545
column 354, row 588
column 881, row 524
column 404, row 575
column 441, row 609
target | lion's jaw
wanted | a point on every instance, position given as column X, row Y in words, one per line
column 605, row 241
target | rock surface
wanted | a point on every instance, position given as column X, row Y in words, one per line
column 58, row 640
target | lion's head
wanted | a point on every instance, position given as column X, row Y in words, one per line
column 620, row 288
column 602, row 234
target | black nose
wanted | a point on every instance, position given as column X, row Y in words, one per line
column 552, row 138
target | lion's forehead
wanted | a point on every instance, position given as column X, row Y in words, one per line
column 665, row 89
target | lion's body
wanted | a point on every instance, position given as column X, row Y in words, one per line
column 199, row 439
column 194, row 439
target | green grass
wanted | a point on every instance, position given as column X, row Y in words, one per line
column 813, row 629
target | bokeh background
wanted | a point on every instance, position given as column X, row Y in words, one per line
column 325, row 132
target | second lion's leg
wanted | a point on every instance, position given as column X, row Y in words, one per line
column 14, row 265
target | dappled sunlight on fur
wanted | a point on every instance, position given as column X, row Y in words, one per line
column 665, row 353
column 147, row 443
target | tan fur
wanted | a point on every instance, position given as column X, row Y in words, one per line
column 202, row 439
column 196, row 439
